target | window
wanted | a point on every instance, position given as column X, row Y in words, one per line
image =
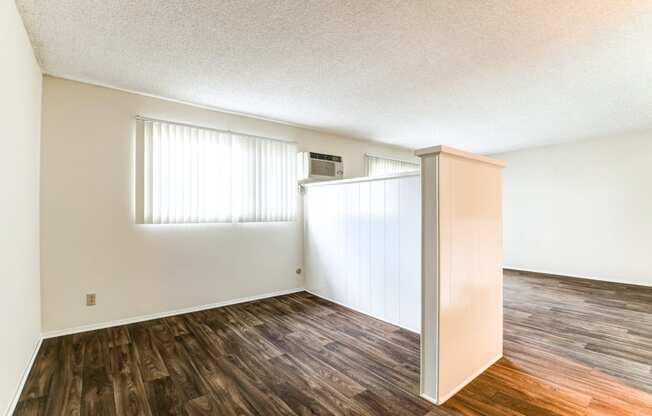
column 380, row 166
column 188, row 174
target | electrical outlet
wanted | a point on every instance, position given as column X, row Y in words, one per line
column 90, row 299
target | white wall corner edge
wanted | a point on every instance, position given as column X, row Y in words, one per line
column 23, row 379
column 159, row 315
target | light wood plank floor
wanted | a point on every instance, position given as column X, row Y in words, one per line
column 572, row 347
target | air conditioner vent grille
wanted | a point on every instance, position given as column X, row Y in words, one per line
column 322, row 167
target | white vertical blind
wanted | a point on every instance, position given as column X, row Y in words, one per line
column 264, row 179
column 194, row 175
column 379, row 166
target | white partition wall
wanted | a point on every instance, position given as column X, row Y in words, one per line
column 462, row 332
column 362, row 245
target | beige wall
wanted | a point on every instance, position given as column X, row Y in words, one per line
column 20, row 107
column 581, row 209
column 91, row 244
column 462, row 327
column 470, row 271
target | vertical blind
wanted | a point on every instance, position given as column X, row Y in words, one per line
column 197, row 175
column 379, row 166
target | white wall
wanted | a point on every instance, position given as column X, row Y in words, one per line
column 91, row 244
column 20, row 107
column 362, row 246
column 582, row 209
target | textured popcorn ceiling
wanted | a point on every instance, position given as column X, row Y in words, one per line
column 484, row 76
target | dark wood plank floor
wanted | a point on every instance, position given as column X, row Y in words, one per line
column 572, row 347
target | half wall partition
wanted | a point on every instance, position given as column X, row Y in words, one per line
column 423, row 252
column 362, row 245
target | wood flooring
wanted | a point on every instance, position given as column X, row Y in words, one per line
column 572, row 347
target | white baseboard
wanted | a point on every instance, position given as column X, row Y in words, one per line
column 428, row 398
column 362, row 312
column 126, row 321
column 463, row 384
column 23, row 378
column 579, row 276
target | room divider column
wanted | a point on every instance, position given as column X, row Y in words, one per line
column 461, row 243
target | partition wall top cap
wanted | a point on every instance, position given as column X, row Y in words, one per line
column 435, row 150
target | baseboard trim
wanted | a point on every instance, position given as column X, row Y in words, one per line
column 359, row 311
column 428, row 398
column 143, row 318
column 574, row 276
column 463, row 384
column 23, row 378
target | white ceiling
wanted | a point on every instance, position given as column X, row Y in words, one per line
column 481, row 75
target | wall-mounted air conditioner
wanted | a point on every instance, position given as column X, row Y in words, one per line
column 313, row 166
